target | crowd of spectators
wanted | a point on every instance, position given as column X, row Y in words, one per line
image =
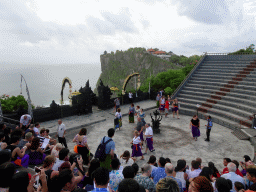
column 57, row 169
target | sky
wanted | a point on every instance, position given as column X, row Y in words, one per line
column 78, row 31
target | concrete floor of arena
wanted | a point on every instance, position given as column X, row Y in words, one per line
column 174, row 141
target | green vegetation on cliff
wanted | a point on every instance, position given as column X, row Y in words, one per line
column 117, row 66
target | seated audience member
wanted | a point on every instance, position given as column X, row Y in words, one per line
column 63, row 154
column 167, row 185
column 16, row 151
column 5, row 156
column 126, row 159
column 42, row 135
column 30, row 129
column 152, row 162
column 135, row 168
column 88, row 179
column 223, row 185
column 216, row 173
column 6, row 132
column 36, row 129
column 72, row 158
column 128, row 185
column 168, row 160
column 52, row 141
column 207, row 172
column 101, row 179
column 232, row 175
column 159, row 172
column 56, row 149
column 195, row 170
column 47, row 167
column 200, row 184
column 128, row 172
column 238, row 172
column 24, row 182
column 36, row 154
column 239, row 186
column 144, row 179
column 170, row 173
column 115, row 176
column 3, row 145
column 180, row 174
column 251, row 176
column 28, row 139
column 226, row 161
column 7, row 171
column 199, row 160
column 245, row 164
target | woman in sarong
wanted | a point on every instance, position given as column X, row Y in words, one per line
column 162, row 104
column 118, row 119
column 136, row 150
column 195, row 127
column 175, row 108
column 158, row 97
column 131, row 113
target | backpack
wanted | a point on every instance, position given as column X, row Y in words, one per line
column 100, row 152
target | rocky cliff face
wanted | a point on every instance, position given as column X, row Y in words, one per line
column 117, row 66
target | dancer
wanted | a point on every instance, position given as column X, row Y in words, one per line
column 166, row 108
column 136, row 149
column 131, row 113
column 142, row 116
column 175, row 108
column 195, row 127
column 137, row 110
column 149, row 138
column 162, row 102
column 158, row 97
column 118, row 119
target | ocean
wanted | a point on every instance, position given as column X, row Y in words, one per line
column 45, row 81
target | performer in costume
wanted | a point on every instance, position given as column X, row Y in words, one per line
column 162, row 103
column 136, row 149
column 175, row 108
column 118, row 119
column 142, row 116
column 195, row 127
column 131, row 113
column 149, row 138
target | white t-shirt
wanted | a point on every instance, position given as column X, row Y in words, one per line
column 124, row 164
column 36, row 130
column 130, row 95
column 136, row 140
column 25, row 121
column 149, row 131
column 61, row 129
column 118, row 115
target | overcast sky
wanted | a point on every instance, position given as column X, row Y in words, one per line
column 78, row 31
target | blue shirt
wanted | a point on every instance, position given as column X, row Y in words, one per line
column 209, row 125
column 158, row 173
column 109, row 146
column 100, row 189
column 178, row 181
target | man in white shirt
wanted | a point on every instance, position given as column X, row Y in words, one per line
column 36, row 129
column 233, row 176
column 195, row 170
column 149, row 138
column 61, row 131
column 130, row 96
column 25, row 121
column 63, row 155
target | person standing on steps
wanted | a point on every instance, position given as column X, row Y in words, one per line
column 195, row 127
column 61, row 131
column 208, row 127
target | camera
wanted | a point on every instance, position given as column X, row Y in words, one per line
column 37, row 170
column 77, row 157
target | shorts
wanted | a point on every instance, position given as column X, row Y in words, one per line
column 166, row 110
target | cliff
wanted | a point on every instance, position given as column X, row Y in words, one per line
column 117, row 66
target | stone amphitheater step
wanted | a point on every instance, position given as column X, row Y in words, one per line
column 228, row 70
column 220, row 102
column 204, row 96
column 232, row 93
column 245, row 114
column 235, row 119
column 224, row 74
column 250, row 84
column 215, row 118
column 240, row 134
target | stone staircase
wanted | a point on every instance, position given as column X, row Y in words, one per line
column 225, row 87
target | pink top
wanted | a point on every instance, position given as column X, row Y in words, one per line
column 84, row 141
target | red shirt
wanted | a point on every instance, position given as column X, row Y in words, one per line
column 225, row 170
column 166, row 104
column 238, row 172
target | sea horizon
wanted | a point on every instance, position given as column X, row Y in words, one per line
column 45, row 80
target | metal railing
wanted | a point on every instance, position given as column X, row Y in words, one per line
column 182, row 84
column 230, row 53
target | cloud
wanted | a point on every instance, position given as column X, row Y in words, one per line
column 205, row 11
